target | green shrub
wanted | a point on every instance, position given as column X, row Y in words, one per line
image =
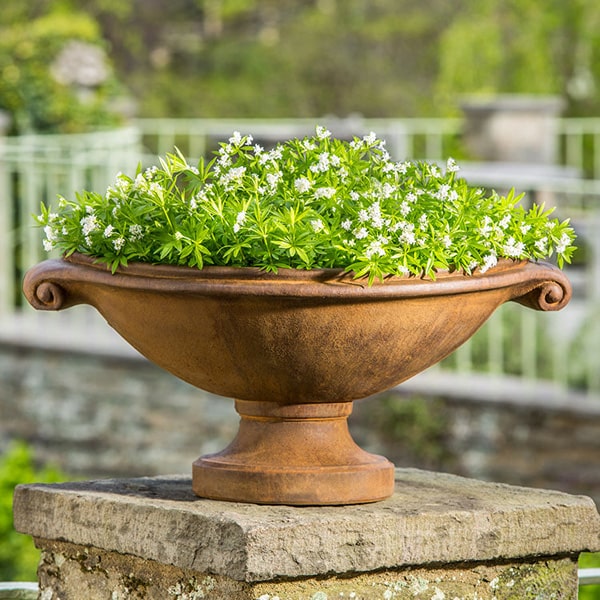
column 55, row 75
column 18, row 555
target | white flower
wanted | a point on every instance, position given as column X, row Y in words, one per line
column 388, row 189
column 404, row 208
column 407, row 236
column 525, row 228
column 323, row 133
column 435, row 172
column 150, row 172
column 258, row 149
column 371, row 138
column 443, row 191
column 48, row 245
column 564, row 241
column 542, row 244
column 89, row 224
column 447, row 241
column 325, row 192
column 224, row 160
column 375, row 248
column 347, row 224
column 354, row 196
column 155, row 188
column 487, row 227
column 323, row 165
column 302, row 184
column 118, row 243
column 273, row 179
column 108, row 231
column 317, row 225
column 135, row 232
column 361, row 233
column 451, row 166
column 50, row 233
column 236, row 138
column 513, row 249
column 505, row 222
column 489, row 261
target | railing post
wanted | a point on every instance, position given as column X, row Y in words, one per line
column 6, row 224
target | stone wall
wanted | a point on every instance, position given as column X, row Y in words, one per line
column 99, row 416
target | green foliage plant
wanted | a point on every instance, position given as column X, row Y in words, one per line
column 18, row 555
column 55, row 75
column 310, row 203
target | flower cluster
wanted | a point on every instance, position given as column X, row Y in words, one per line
column 308, row 203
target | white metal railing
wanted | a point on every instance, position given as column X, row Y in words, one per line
column 35, row 168
column 405, row 138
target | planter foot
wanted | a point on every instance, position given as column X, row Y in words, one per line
column 300, row 454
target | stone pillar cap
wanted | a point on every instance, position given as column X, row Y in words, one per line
column 431, row 518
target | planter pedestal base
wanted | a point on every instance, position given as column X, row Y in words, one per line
column 297, row 454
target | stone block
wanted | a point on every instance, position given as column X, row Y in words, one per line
column 439, row 537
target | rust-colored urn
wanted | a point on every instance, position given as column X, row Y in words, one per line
column 294, row 349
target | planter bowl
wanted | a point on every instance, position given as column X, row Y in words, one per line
column 294, row 349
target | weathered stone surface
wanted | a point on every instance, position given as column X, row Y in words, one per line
column 432, row 518
column 70, row 572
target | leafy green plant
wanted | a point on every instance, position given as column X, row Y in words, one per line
column 18, row 555
column 308, row 203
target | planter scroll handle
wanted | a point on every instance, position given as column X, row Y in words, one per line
column 544, row 287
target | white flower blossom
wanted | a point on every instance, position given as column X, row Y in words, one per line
column 236, row 138
column 512, row 248
column 317, row 225
column 108, row 230
column 302, row 184
column 347, row 224
column 489, row 261
column 562, row 244
column 360, row 233
column 325, row 192
column 322, row 132
column 370, row 138
column 50, row 233
column 48, row 245
column 89, row 224
column 118, row 243
column 451, row 166
column 135, row 232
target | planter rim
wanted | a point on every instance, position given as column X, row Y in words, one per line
column 524, row 276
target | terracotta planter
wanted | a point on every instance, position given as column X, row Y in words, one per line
column 294, row 349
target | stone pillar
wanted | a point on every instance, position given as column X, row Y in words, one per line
column 439, row 537
column 512, row 128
